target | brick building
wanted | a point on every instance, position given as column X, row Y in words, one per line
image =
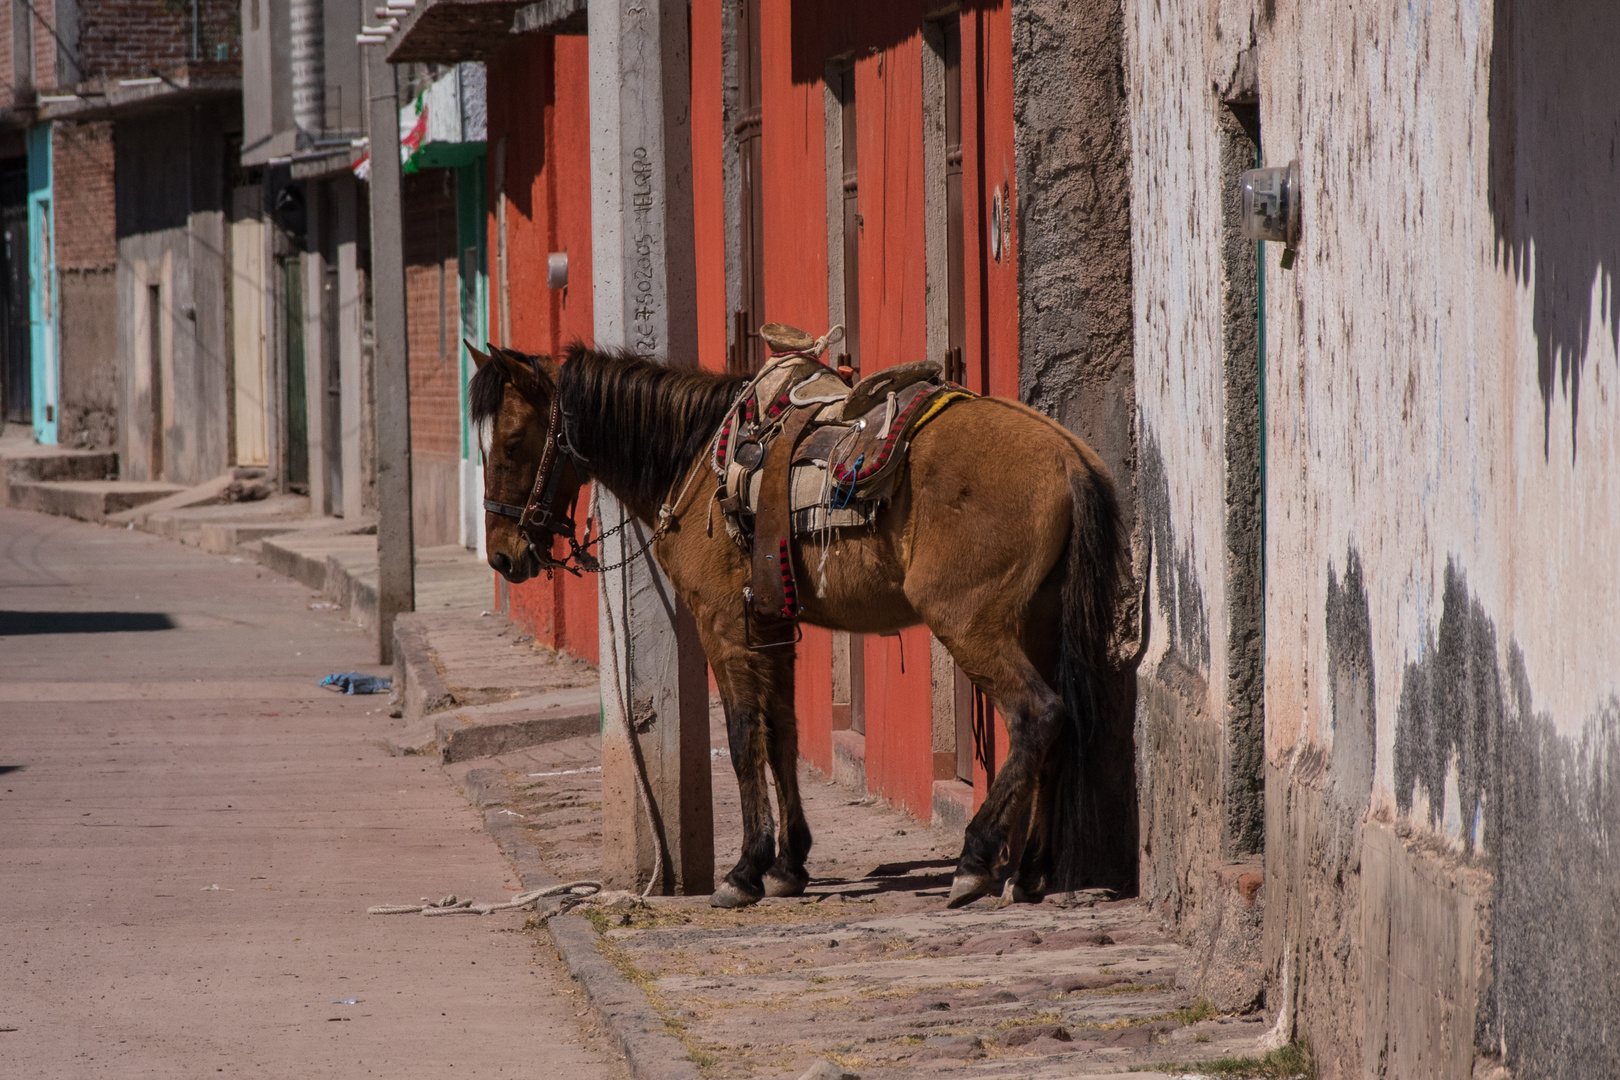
column 115, row 127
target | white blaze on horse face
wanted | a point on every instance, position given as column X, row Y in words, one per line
column 486, row 437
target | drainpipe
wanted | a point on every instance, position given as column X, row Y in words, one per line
column 308, row 27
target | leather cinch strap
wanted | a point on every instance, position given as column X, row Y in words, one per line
column 774, row 595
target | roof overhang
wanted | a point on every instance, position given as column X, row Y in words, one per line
column 456, row 31
column 452, row 31
column 118, row 98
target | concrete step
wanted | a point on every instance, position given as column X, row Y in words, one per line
column 467, row 685
column 22, row 461
column 223, row 527
column 343, row 565
column 209, row 491
column 484, row 730
column 302, row 555
column 87, row 500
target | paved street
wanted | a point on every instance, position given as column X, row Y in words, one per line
column 190, row 832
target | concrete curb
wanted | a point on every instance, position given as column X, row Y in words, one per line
column 422, row 690
column 86, row 500
column 649, row 1050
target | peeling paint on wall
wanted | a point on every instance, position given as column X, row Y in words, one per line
column 1352, row 686
column 1451, row 707
column 1544, row 807
column 1181, row 597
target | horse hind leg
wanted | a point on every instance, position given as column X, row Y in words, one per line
column 1033, row 714
column 1035, row 860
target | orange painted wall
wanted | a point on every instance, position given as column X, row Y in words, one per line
column 538, row 95
column 538, row 102
column 709, row 181
column 894, row 330
column 793, row 163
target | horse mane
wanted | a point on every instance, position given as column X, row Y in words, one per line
column 639, row 425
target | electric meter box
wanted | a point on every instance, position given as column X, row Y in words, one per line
column 1271, row 204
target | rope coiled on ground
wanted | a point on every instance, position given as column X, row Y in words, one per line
column 452, row 905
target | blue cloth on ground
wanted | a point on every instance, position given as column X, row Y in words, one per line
column 352, row 682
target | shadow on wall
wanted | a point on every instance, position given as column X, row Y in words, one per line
column 1554, row 130
column 1468, row 735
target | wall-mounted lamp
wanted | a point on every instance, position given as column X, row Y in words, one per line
column 1271, row 207
column 557, row 270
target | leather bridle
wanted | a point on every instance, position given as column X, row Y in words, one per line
column 539, row 521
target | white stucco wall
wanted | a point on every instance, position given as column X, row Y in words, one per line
column 1442, row 389
column 1403, row 411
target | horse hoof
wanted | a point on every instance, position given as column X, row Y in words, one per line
column 1014, row 893
column 729, row 896
column 965, row 890
column 778, row 885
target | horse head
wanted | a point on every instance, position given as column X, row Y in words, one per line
column 531, row 481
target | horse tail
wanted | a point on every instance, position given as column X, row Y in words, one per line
column 1092, row 575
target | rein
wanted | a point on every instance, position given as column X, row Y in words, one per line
column 540, row 522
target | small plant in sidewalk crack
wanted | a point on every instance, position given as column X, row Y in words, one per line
column 1291, row 1062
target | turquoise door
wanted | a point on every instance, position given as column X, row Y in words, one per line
column 43, row 303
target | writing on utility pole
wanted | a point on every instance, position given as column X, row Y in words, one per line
column 644, row 297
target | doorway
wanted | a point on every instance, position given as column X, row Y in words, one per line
column 297, row 399
column 16, row 376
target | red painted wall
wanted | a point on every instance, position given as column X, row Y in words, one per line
column 793, row 162
column 992, row 286
column 538, row 103
column 538, row 95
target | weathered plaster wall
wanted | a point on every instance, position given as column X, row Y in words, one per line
column 1196, row 486
column 1442, row 506
column 169, row 187
column 1070, row 194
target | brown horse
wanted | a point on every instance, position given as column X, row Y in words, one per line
column 1002, row 537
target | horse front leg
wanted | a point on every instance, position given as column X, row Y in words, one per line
column 746, row 735
column 787, row 876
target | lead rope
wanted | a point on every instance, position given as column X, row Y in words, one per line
column 642, row 785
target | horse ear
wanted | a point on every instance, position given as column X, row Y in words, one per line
column 479, row 358
column 521, row 370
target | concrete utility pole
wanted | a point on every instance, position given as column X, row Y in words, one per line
column 396, row 564
column 645, row 300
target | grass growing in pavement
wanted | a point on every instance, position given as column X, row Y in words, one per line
column 1192, row 1014
column 1291, row 1062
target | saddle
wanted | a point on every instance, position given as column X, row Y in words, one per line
column 803, row 452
